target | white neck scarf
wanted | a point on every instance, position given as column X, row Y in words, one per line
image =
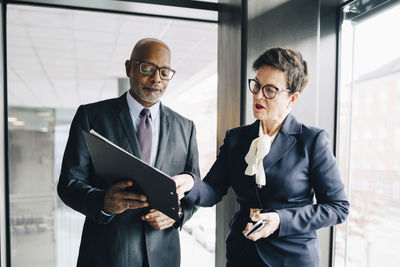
column 259, row 148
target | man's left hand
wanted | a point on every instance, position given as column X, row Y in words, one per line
column 158, row 220
column 273, row 223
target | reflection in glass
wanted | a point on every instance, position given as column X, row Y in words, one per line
column 59, row 59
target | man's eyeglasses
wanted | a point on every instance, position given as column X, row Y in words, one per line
column 148, row 69
column 268, row 91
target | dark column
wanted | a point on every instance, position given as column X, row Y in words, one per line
column 229, row 102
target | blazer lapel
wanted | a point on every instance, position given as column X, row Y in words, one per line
column 252, row 134
column 127, row 125
column 165, row 128
column 284, row 141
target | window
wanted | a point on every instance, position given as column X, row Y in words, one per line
column 59, row 59
column 383, row 99
column 396, row 190
column 380, row 164
column 369, row 236
column 396, row 165
column 398, row 105
column 381, row 143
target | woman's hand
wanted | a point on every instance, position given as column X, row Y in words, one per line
column 184, row 183
column 273, row 223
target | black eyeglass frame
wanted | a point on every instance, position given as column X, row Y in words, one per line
column 140, row 62
column 265, row 86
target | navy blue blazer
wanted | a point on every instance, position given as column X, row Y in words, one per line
column 299, row 167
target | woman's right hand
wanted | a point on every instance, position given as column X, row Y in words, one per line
column 117, row 199
column 273, row 223
column 184, row 183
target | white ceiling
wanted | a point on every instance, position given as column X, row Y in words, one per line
column 62, row 58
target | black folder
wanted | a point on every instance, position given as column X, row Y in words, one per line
column 116, row 164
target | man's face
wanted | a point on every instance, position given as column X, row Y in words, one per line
column 147, row 90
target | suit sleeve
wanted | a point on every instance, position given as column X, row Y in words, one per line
column 192, row 168
column 208, row 192
column 74, row 186
column 332, row 206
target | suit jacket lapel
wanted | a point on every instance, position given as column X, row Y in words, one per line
column 127, row 125
column 252, row 134
column 284, row 141
column 165, row 128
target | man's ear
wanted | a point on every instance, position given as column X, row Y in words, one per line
column 293, row 99
column 128, row 68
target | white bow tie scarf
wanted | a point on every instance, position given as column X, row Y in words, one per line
column 259, row 148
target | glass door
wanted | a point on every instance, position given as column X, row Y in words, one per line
column 61, row 58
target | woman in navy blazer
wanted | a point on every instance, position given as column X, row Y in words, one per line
column 276, row 166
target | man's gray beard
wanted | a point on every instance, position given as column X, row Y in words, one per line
column 150, row 100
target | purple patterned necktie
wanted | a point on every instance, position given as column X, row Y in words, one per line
column 144, row 135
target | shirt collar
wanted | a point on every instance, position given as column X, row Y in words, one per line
column 135, row 107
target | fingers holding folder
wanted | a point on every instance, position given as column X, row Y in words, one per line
column 158, row 220
column 118, row 199
column 184, row 183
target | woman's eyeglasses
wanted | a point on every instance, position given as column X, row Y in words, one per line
column 268, row 91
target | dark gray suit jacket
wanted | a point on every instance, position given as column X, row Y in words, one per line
column 299, row 167
column 118, row 241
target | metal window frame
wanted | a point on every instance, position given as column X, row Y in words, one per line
column 139, row 8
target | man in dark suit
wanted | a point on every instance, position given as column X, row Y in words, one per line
column 119, row 229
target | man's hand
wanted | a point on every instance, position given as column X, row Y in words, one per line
column 184, row 183
column 158, row 220
column 273, row 223
column 117, row 199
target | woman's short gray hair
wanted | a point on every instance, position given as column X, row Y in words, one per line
column 290, row 62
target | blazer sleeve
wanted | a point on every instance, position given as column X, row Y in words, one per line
column 332, row 206
column 192, row 168
column 208, row 192
column 74, row 187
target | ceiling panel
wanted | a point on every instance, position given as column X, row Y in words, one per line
column 16, row 30
column 62, row 58
column 85, row 21
column 48, row 17
column 61, row 75
column 89, row 85
column 17, row 41
column 50, row 32
column 52, row 44
column 95, row 36
column 25, row 64
column 24, row 95
column 16, row 52
column 53, row 55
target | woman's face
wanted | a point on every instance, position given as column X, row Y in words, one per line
column 277, row 108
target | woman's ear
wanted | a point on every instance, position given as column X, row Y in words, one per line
column 293, row 99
